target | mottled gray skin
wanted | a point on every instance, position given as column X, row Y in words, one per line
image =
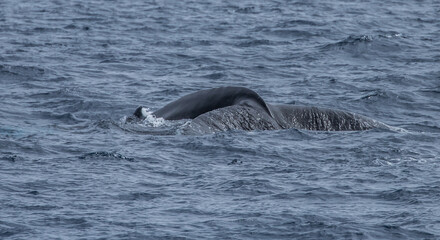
column 284, row 117
column 321, row 119
column 229, row 108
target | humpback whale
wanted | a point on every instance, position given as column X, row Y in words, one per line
column 230, row 108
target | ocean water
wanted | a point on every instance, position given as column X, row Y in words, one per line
column 71, row 72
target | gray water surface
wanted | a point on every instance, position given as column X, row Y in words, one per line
column 72, row 168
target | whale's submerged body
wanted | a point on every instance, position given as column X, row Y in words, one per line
column 239, row 108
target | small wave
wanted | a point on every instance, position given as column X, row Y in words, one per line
column 66, row 118
column 8, row 229
column 298, row 22
column 215, row 76
column 246, row 10
column 374, row 94
column 430, row 92
column 139, row 196
column 422, row 127
column 27, row 71
column 249, row 186
column 10, row 157
column 252, row 43
column 397, row 129
column 43, row 30
column 403, row 195
column 398, row 161
column 290, row 33
column 71, row 26
column 373, row 45
column 350, row 41
column 73, row 222
column 243, row 10
column 391, row 35
column 105, row 156
column 147, row 29
column 8, row 131
column 63, row 93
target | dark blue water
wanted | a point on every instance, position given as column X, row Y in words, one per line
column 72, row 71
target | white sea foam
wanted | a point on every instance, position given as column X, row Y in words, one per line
column 151, row 120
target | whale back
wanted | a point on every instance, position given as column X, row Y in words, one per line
column 198, row 103
column 246, row 118
column 321, row 119
column 239, row 108
column 236, row 117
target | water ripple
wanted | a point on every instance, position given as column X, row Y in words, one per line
column 74, row 164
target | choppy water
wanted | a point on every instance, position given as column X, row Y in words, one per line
column 71, row 71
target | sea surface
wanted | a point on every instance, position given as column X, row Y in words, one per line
column 71, row 167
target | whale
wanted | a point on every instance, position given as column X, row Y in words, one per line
column 240, row 108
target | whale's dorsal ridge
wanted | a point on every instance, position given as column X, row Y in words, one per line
column 195, row 104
